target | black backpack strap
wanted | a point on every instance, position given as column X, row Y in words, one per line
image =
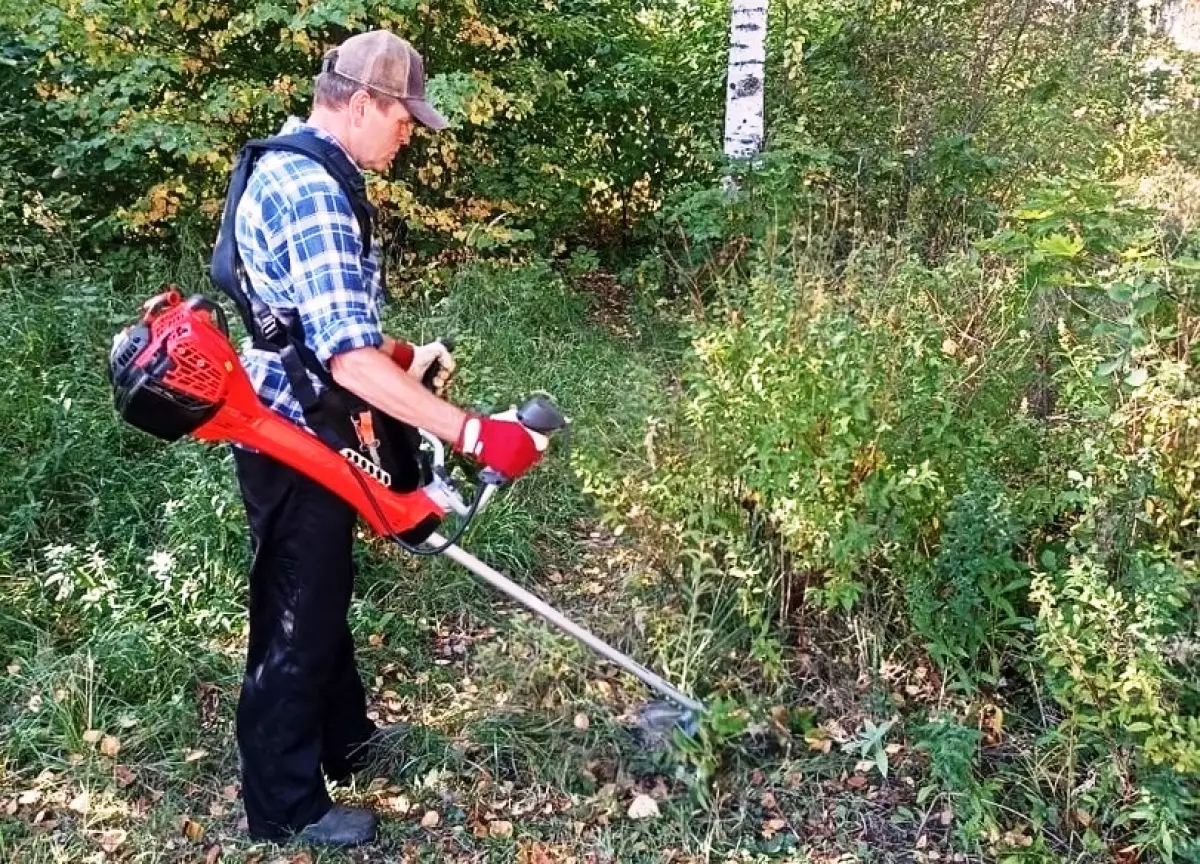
column 323, row 413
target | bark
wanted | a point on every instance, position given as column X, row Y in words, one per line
column 745, row 80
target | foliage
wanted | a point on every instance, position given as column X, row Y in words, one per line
column 567, row 117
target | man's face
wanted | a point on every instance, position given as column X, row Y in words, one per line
column 381, row 127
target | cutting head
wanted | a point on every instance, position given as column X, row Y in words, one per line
column 657, row 722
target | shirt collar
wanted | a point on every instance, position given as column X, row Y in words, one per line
column 295, row 124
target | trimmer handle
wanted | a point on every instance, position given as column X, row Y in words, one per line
column 435, row 367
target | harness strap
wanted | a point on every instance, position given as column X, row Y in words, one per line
column 266, row 329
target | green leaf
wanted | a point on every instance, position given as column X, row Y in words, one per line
column 1137, row 377
column 1059, row 246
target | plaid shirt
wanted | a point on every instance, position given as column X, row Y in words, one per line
column 301, row 249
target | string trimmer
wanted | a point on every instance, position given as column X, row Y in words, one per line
column 174, row 372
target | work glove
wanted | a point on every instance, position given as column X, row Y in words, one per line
column 501, row 443
column 416, row 360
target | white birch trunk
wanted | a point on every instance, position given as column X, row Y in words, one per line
column 1181, row 21
column 744, row 87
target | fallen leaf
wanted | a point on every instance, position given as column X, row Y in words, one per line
column 91, row 736
column 1083, row 817
column 79, row 803
column 110, row 746
column 230, row 792
column 194, row 755
column 430, row 819
column 124, row 776
column 772, row 827
column 375, row 640
column 856, row 781
column 582, row 722
column 217, row 810
column 398, row 804
column 643, row 807
column 112, row 839
column 500, row 828
column 192, row 829
column 818, row 739
column 213, row 853
column 30, row 796
column 10, row 806
column 14, row 669
column 864, row 766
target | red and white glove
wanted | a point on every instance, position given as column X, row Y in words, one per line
column 501, row 443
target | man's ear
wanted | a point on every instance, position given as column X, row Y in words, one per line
column 358, row 106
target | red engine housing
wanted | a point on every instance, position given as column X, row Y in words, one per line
column 175, row 372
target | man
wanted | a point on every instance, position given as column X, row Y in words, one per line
column 302, row 712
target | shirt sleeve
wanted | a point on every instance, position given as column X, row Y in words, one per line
column 333, row 296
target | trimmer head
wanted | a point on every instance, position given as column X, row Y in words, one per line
column 657, row 722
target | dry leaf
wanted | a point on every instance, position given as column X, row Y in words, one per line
column 500, row 828
column 91, row 736
column 864, row 766
column 10, row 806
column 582, row 722
column 124, row 776
column 216, row 810
column 398, row 804
column 30, row 796
column 375, row 640
column 192, row 829
column 857, row 781
column 430, row 819
column 818, row 739
column 214, row 853
column 194, row 755
column 643, row 807
column 230, row 792
column 110, row 746
column 79, row 803
column 112, row 839
column 14, row 669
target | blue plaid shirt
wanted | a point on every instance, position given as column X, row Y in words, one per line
column 302, row 252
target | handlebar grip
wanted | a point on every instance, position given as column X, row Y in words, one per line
column 435, row 367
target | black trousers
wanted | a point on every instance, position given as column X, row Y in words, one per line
column 302, row 710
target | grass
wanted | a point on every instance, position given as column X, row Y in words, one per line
column 122, row 591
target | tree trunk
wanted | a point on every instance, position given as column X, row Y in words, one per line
column 1180, row 19
column 744, row 88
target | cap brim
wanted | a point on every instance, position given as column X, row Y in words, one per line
column 426, row 114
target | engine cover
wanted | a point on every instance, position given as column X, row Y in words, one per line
column 169, row 371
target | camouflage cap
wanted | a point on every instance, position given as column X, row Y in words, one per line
column 382, row 61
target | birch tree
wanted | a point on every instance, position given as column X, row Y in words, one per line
column 745, row 78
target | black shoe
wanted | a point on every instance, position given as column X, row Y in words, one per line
column 341, row 826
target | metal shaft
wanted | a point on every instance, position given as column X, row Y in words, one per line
column 544, row 610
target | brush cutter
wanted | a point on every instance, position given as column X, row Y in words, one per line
column 174, row 372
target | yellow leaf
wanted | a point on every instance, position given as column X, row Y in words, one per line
column 643, row 807
column 192, row 829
